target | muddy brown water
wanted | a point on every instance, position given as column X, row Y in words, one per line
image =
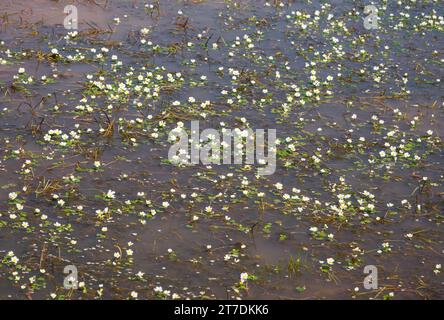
column 243, row 233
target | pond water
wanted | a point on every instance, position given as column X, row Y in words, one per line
column 85, row 179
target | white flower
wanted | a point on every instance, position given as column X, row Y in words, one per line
column 278, row 186
column 110, row 194
column 21, row 70
column 330, row 261
column 13, row 195
column 134, row 294
column 243, row 277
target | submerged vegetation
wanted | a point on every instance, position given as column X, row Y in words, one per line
column 85, row 178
